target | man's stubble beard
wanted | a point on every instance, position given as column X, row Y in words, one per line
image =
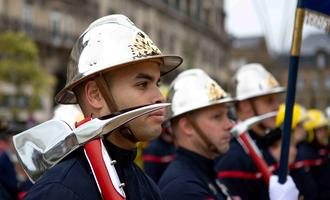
column 144, row 130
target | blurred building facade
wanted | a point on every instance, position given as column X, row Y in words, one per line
column 313, row 81
column 247, row 50
column 53, row 25
column 250, row 50
column 193, row 29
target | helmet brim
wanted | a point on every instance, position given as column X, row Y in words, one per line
column 277, row 90
column 227, row 100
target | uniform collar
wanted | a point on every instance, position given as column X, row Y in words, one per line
column 164, row 142
column 197, row 160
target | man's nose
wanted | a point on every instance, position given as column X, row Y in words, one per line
column 230, row 124
column 158, row 98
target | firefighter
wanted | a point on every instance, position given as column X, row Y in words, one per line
column 201, row 126
column 201, row 129
column 8, row 179
column 13, row 181
column 313, row 155
column 113, row 66
column 257, row 92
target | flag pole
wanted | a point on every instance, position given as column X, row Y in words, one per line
column 290, row 96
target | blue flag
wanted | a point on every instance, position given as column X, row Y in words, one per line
column 321, row 6
column 317, row 13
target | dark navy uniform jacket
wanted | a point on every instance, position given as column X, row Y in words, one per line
column 72, row 178
column 156, row 157
column 190, row 176
column 8, row 181
column 238, row 172
column 315, row 161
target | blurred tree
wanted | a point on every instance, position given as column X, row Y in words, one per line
column 19, row 66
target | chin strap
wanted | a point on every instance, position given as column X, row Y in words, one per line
column 210, row 145
column 125, row 131
column 263, row 128
column 103, row 168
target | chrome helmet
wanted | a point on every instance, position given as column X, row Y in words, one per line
column 253, row 80
column 108, row 43
column 193, row 89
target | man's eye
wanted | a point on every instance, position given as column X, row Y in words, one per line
column 271, row 100
column 217, row 116
column 142, row 84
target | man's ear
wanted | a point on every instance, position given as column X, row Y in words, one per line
column 93, row 95
column 185, row 126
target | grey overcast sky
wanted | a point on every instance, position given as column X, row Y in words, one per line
column 272, row 18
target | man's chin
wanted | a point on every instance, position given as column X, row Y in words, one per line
column 223, row 150
column 270, row 124
column 150, row 136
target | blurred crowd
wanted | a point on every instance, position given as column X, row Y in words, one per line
column 14, row 183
